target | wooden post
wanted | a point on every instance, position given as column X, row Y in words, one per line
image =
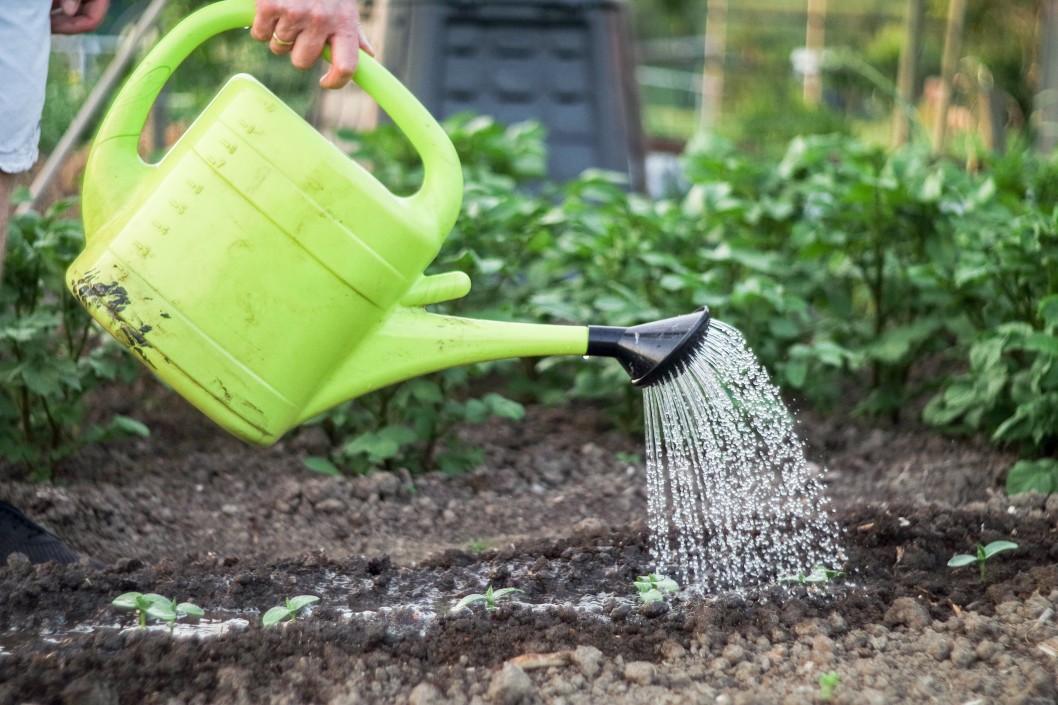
column 949, row 65
column 713, row 71
column 907, row 73
column 813, row 78
column 1046, row 99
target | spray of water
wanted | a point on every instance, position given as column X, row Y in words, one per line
column 732, row 501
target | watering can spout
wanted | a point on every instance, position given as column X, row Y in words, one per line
column 651, row 352
column 411, row 342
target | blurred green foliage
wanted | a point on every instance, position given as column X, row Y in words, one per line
column 884, row 281
column 51, row 356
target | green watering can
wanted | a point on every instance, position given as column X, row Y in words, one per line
column 266, row 277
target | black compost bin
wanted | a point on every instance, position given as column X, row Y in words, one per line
column 565, row 63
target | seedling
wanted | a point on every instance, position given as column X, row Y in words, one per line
column 490, row 598
column 291, row 607
column 828, row 683
column 652, row 588
column 983, row 554
column 156, row 607
column 818, row 576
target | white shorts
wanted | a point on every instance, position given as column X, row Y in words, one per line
column 25, row 45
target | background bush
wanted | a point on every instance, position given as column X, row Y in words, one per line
column 906, row 283
column 51, row 355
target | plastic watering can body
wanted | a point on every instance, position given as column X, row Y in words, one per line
column 261, row 273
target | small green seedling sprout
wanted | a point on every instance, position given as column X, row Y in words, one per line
column 828, row 683
column 652, row 588
column 489, row 599
column 158, row 607
column 818, row 576
column 983, row 554
column 290, row 608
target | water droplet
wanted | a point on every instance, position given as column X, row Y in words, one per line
column 732, row 502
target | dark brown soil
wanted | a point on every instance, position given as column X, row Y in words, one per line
column 195, row 515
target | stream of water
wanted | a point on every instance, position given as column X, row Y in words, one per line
column 733, row 503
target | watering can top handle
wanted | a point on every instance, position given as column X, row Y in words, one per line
column 119, row 133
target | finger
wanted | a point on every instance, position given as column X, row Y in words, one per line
column 285, row 37
column 264, row 23
column 62, row 24
column 70, row 7
column 95, row 11
column 307, row 50
column 344, row 57
column 365, row 43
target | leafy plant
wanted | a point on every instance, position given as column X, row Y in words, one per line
column 1033, row 476
column 817, row 576
column 489, row 598
column 288, row 610
column 981, row 556
column 828, row 684
column 478, row 545
column 411, row 426
column 158, row 607
column 851, row 270
column 51, row 354
column 652, row 587
column 1005, row 272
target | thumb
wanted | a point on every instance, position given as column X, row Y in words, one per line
column 71, row 7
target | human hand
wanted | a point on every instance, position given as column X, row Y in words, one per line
column 302, row 28
column 76, row 16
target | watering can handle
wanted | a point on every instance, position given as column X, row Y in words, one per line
column 115, row 166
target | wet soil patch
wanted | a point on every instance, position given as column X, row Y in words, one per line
column 556, row 510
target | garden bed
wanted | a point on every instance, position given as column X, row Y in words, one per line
column 556, row 510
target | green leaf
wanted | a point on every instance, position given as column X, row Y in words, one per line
column 189, row 609
column 796, row 372
column 1042, row 343
column 381, row 445
column 469, row 600
column 502, row 592
column 1048, row 310
column 296, row 604
column 130, row 426
column 275, row 615
column 961, row 560
column 128, row 601
column 821, row 574
column 321, row 465
column 42, row 380
column 503, row 407
column 895, row 344
column 156, row 599
column 651, row 595
column 1033, row 476
column 426, row 391
column 998, row 547
column 475, row 411
column 799, row 578
column 161, row 612
column 986, row 354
